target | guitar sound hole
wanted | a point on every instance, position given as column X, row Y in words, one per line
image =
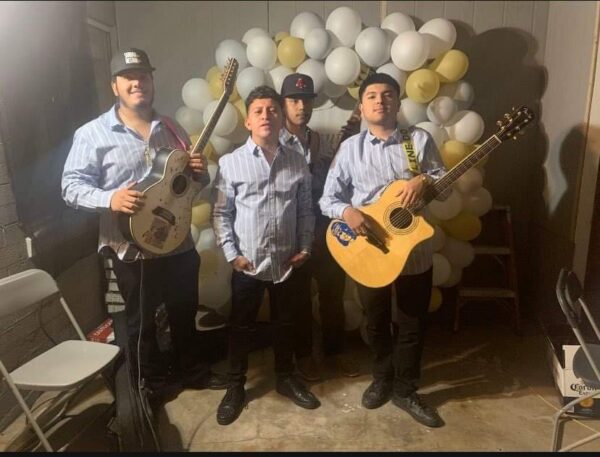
column 179, row 185
column 401, row 218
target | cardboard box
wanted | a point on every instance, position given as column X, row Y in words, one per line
column 560, row 358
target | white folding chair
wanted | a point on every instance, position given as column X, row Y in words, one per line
column 587, row 358
column 65, row 367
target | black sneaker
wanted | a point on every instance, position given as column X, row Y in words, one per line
column 378, row 393
column 297, row 392
column 421, row 412
column 232, row 404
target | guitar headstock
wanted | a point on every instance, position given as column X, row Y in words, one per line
column 514, row 122
column 229, row 75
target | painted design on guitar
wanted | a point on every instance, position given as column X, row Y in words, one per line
column 158, row 233
column 342, row 233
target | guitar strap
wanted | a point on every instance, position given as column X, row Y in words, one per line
column 169, row 123
column 409, row 150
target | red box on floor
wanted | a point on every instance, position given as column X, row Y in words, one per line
column 104, row 333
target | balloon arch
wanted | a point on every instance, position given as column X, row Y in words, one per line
column 337, row 54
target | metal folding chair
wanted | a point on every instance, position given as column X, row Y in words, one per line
column 66, row 367
column 587, row 358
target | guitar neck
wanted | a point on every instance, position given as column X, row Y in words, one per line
column 202, row 140
column 459, row 169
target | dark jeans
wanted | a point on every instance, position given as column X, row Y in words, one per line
column 399, row 359
column 330, row 280
column 172, row 280
column 246, row 299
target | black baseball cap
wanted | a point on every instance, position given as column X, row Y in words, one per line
column 298, row 85
column 130, row 59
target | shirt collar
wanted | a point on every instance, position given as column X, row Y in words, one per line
column 255, row 148
column 394, row 137
column 286, row 137
column 116, row 123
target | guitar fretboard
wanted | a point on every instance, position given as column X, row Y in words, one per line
column 202, row 140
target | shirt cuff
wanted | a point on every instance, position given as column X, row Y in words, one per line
column 230, row 252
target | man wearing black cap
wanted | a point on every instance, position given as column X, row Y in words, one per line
column 298, row 94
column 365, row 164
column 108, row 156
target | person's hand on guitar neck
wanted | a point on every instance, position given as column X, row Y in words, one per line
column 127, row 200
column 412, row 192
column 198, row 163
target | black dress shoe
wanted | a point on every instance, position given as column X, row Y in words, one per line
column 421, row 412
column 378, row 393
column 296, row 391
column 232, row 404
column 210, row 380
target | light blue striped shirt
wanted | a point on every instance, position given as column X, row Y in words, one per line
column 263, row 212
column 365, row 165
column 105, row 156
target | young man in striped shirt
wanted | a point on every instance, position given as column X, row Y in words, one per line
column 365, row 164
column 264, row 223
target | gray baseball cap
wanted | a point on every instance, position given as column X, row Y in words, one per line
column 129, row 60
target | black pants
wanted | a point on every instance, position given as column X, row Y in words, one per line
column 330, row 280
column 399, row 360
column 246, row 299
column 172, row 280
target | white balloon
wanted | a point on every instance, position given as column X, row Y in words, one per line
column 470, row 181
column 277, row 75
column 411, row 113
column 373, row 46
column 213, row 291
column 441, row 269
column 304, row 22
column 439, row 134
column 190, row 119
column 441, row 35
column 448, row 208
column 239, row 134
column 318, row 44
column 262, row 52
column 221, row 145
column 478, row 202
column 227, row 120
column 195, row 93
column 231, row 49
column 399, row 75
column 316, row 70
column 345, row 24
column 398, row 23
column 342, row 66
column 253, row 33
column 465, row 126
column 332, row 90
column 206, row 240
column 454, row 278
column 441, row 109
column 248, row 79
column 212, row 172
column 459, row 253
column 409, row 50
column 439, row 238
column 195, row 231
column 460, row 91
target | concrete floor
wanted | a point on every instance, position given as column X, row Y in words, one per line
column 493, row 389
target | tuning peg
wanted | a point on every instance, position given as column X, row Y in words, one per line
column 507, row 116
column 498, row 123
column 512, row 108
column 514, row 137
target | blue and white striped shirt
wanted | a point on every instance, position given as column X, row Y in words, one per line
column 105, row 156
column 263, row 212
column 365, row 165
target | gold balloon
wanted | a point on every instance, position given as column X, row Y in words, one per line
column 453, row 151
column 280, row 36
column 451, row 65
column 212, row 72
column 201, row 213
column 291, row 52
column 422, row 85
column 353, row 90
column 465, row 226
column 240, row 106
column 436, row 300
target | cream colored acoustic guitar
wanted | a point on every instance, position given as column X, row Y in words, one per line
column 376, row 260
column 164, row 221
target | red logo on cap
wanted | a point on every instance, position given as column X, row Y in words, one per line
column 300, row 84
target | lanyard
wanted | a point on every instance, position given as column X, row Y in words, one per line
column 409, row 150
